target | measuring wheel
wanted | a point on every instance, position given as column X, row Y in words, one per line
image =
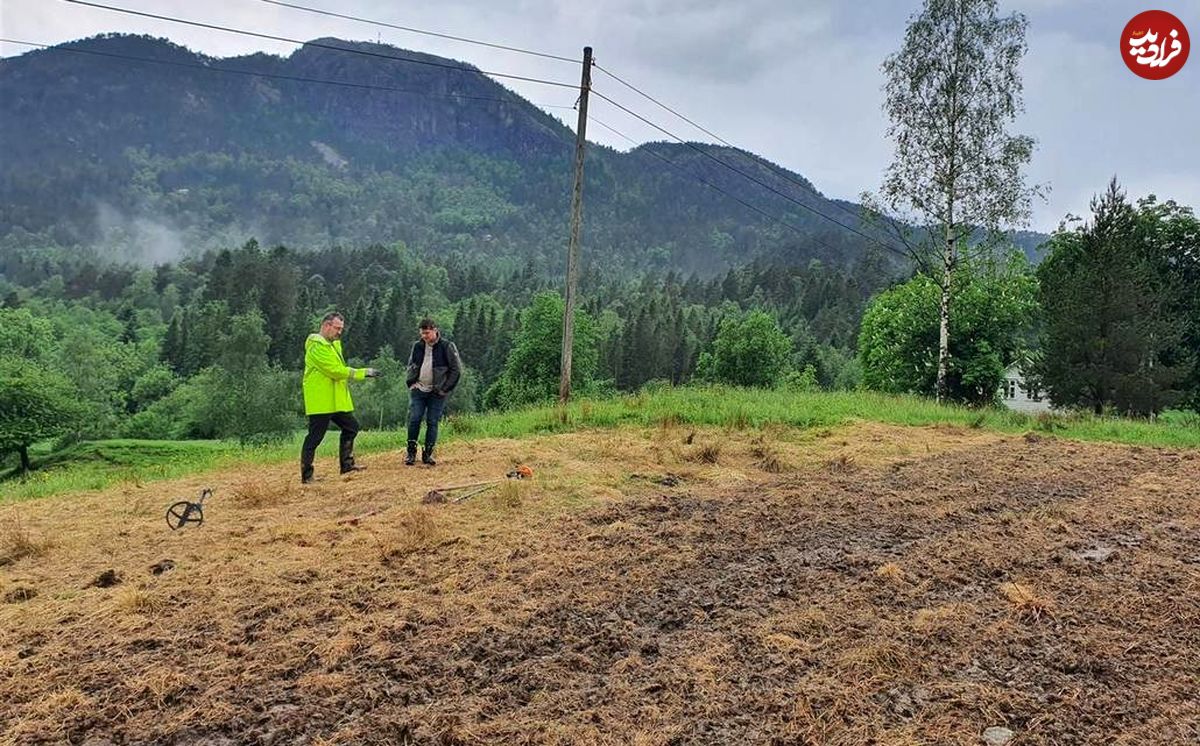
column 184, row 512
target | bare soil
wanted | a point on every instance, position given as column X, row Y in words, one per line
column 867, row 585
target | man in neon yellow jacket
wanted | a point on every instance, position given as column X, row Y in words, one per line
column 326, row 395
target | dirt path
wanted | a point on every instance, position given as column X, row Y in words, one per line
column 868, row 585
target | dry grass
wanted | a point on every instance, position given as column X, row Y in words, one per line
column 724, row 605
column 802, row 622
column 705, row 453
column 263, row 493
column 507, row 494
column 943, row 622
column 1027, row 603
column 890, row 572
column 766, row 456
column 16, row 541
column 841, row 464
column 668, row 422
column 414, row 530
column 882, row 659
column 140, row 601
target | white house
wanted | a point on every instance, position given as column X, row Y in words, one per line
column 1014, row 394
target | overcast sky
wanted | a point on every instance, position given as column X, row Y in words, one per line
column 795, row 81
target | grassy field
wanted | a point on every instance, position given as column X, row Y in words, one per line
column 98, row 465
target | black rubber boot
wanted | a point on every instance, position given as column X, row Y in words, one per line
column 410, row 458
column 306, row 467
column 427, row 457
column 346, row 457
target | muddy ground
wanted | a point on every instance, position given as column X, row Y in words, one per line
column 869, row 585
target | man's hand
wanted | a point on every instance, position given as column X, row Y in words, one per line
column 374, row 373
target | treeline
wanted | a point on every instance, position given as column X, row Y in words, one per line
column 1108, row 322
column 212, row 347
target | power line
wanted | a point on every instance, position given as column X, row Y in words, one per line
column 806, row 234
column 750, row 177
column 319, row 45
column 410, row 29
column 778, row 171
column 274, row 76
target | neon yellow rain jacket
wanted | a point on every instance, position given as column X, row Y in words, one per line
column 325, row 376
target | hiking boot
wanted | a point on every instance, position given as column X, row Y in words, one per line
column 306, row 480
column 353, row 467
column 410, row 457
column 427, row 457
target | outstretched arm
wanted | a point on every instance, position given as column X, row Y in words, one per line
column 323, row 358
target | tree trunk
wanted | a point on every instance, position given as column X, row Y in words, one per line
column 24, row 451
column 944, row 315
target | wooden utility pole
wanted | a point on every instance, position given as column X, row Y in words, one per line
column 585, row 85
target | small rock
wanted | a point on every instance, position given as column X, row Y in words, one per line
column 997, row 736
column 158, row 568
column 283, row 710
column 1099, row 554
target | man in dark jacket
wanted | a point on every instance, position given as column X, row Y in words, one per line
column 433, row 371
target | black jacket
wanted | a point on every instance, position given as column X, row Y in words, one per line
column 447, row 366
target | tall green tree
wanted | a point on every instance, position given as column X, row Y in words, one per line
column 1173, row 233
column 952, row 92
column 1115, row 293
column 533, row 367
column 898, row 340
column 749, row 350
column 34, row 405
column 244, row 396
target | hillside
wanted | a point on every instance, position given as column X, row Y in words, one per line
column 149, row 161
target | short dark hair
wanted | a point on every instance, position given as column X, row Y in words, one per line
column 331, row 316
column 427, row 323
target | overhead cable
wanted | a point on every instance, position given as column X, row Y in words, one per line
column 321, row 45
column 413, row 30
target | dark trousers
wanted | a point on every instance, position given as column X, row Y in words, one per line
column 426, row 406
column 318, row 424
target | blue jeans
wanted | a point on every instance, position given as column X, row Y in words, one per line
column 426, row 406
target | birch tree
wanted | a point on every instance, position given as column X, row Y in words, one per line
column 952, row 92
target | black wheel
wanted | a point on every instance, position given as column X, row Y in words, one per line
column 182, row 513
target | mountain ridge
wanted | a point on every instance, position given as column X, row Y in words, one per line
column 118, row 153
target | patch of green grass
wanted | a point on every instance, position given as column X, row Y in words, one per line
column 97, row 465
